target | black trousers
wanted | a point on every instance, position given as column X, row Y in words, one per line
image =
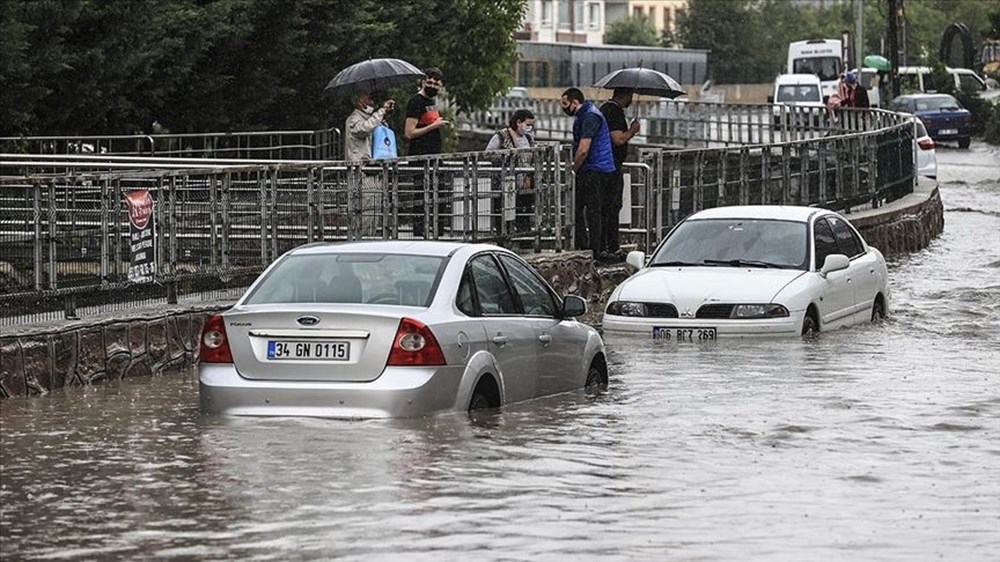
column 612, row 207
column 591, row 188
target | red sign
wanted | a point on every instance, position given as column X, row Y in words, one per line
column 140, row 208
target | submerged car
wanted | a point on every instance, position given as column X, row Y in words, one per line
column 752, row 271
column 942, row 114
column 395, row 329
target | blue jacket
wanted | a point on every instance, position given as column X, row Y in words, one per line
column 600, row 157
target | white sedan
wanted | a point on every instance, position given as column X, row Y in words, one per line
column 752, row 271
column 395, row 329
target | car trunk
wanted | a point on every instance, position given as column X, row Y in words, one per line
column 340, row 345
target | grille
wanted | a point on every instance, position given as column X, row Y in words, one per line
column 715, row 311
column 661, row 310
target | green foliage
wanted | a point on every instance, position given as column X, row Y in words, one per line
column 991, row 124
column 115, row 66
column 636, row 29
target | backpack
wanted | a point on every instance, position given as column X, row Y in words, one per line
column 383, row 143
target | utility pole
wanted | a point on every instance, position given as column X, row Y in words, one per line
column 859, row 28
column 895, row 7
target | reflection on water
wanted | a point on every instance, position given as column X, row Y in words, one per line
column 877, row 442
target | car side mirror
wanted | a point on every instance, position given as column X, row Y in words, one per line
column 770, row 99
column 573, row 306
column 635, row 259
column 834, row 262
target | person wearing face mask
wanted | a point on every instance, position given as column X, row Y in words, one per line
column 621, row 133
column 594, row 165
column 361, row 123
column 518, row 134
column 422, row 130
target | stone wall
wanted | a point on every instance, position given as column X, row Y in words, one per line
column 898, row 230
column 165, row 340
column 87, row 353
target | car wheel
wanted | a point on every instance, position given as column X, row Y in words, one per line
column 809, row 326
column 964, row 142
column 878, row 311
column 485, row 396
column 597, row 379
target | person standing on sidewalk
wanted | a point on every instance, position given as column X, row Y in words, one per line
column 422, row 130
column 360, row 125
column 593, row 164
column 621, row 132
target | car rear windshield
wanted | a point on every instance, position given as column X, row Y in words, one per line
column 392, row 279
column 801, row 92
column 937, row 102
column 736, row 242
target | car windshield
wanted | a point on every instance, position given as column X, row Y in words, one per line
column 736, row 243
column 800, row 92
column 937, row 102
column 827, row 68
column 393, row 279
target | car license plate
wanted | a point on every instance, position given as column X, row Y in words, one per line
column 948, row 132
column 667, row 333
column 309, row 350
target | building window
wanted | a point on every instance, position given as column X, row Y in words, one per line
column 546, row 13
column 668, row 20
column 594, row 15
column 563, row 14
column 639, row 11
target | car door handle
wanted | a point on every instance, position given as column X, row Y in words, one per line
column 545, row 339
column 500, row 340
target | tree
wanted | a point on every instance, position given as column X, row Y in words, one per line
column 730, row 30
column 636, row 29
column 113, row 67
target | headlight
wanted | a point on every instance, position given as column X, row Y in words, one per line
column 759, row 311
column 626, row 308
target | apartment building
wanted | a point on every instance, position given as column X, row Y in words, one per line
column 564, row 21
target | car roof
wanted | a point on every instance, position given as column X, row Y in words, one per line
column 774, row 212
column 922, row 96
column 415, row 247
column 796, row 79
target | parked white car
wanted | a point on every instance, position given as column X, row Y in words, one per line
column 395, row 329
column 797, row 99
column 925, row 150
column 752, row 271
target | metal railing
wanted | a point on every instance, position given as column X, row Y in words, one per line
column 64, row 228
column 323, row 144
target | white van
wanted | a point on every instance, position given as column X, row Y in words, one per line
column 919, row 79
column 802, row 93
column 822, row 57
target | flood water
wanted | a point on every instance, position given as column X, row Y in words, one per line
column 879, row 442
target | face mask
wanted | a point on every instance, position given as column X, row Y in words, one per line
column 525, row 129
column 569, row 111
column 369, row 109
column 431, row 92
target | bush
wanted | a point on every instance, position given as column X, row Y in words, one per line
column 991, row 124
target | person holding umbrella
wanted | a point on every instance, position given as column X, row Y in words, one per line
column 594, row 165
column 621, row 133
column 361, row 124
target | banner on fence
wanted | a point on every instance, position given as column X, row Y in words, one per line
column 142, row 236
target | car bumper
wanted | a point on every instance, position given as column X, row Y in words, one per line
column 397, row 392
column 769, row 327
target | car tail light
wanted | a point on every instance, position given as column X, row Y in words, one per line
column 214, row 343
column 926, row 144
column 414, row 344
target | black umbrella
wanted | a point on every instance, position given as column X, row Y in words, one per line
column 645, row 81
column 373, row 75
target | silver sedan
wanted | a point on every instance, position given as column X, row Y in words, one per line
column 387, row 329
